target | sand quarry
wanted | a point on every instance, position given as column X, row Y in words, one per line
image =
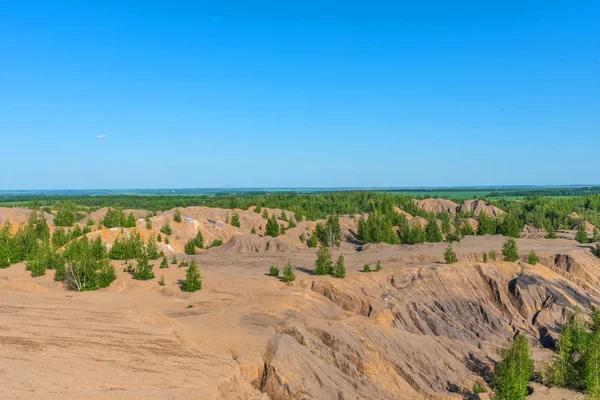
column 418, row 329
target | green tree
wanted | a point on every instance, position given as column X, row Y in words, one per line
column 339, row 270
column 288, row 273
column 329, row 233
column 152, row 248
column 313, row 241
column 164, row 263
column 130, row 221
column 272, row 227
column 514, row 371
column 596, row 235
column 378, row 266
column 324, row 262
column 432, row 230
column 193, row 280
column 487, row 225
column 273, row 271
column 177, row 216
column 190, row 247
column 235, row 220
column 532, row 258
column 366, row 268
column 166, row 229
column 143, row 269
column 199, row 240
column 510, row 250
column 450, row 255
column 582, row 235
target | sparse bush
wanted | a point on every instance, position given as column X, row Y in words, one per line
column 253, row 231
column 235, row 220
column 199, row 240
column 478, row 388
column 216, row 243
column 161, row 281
column 378, row 266
column 450, row 255
column 174, row 260
column 493, row 255
column 193, row 280
column 582, row 236
column 164, row 263
column 485, row 257
column 274, row 271
column 339, row 270
column 288, row 273
column 190, row 247
column 143, row 269
column 510, row 250
column 323, row 263
column 532, row 258
column 166, row 229
column 177, row 216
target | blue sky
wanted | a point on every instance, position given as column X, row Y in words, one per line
column 318, row 94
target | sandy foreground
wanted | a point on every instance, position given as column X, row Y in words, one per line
column 246, row 335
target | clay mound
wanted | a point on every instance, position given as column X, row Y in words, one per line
column 400, row 211
column 418, row 221
column 574, row 215
column 477, row 206
column 470, row 221
column 18, row 216
column 437, row 206
column 589, row 227
column 531, row 232
column 249, row 243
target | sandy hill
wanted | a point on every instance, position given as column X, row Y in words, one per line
column 477, row 206
column 589, row 227
column 19, row 216
column 249, row 243
column 402, row 212
column 437, row 206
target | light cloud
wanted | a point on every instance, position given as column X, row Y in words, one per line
column 102, row 136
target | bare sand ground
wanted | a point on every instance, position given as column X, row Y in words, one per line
column 138, row 340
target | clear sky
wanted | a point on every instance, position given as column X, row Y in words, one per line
column 154, row 94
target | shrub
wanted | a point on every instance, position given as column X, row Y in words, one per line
column 450, row 255
column 143, row 269
column 216, row 243
column 339, row 270
column 478, row 388
column 235, row 220
column 582, row 236
column 273, row 271
column 193, row 280
column 378, row 266
column 161, row 281
column 190, row 247
column 174, row 259
column 288, row 273
column 366, row 268
column 485, row 257
column 164, row 263
column 493, row 255
column 532, row 258
column 510, row 250
column 313, row 241
column 177, row 216
column 199, row 240
column 166, row 229
column 323, row 263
